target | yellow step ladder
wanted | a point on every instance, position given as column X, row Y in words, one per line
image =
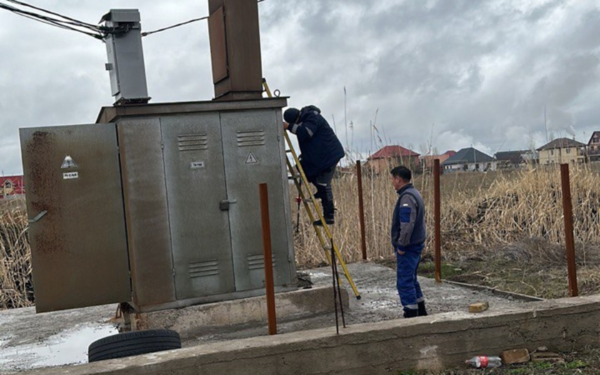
column 304, row 191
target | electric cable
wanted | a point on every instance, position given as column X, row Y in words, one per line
column 77, row 22
column 68, row 25
column 39, row 17
column 179, row 24
column 173, row 26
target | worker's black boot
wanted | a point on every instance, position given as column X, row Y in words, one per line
column 410, row 313
column 328, row 212
column 328, row 219
column 422, row 311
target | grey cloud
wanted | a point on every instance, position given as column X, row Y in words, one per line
column 476, row 72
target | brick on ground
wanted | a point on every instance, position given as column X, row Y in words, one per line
column 479, row 307
column 515, row 356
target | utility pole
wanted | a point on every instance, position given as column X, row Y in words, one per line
column 546, row 124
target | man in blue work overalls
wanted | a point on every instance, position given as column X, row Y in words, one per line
column 408, row 239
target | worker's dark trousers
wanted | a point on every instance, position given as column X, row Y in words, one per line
column 406, row 276
column 324, row 191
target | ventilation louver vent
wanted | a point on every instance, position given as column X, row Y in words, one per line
column 256, row 262
column 203, row 269
column 192, row 142
column 251, row 138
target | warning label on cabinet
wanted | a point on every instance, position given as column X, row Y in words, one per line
column 251, row 159
column 70, row 175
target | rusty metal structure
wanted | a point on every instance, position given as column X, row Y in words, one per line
column 235, row 49
column 569, row 238
column 157, row 205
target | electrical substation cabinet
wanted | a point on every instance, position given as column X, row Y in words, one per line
column 157, row 205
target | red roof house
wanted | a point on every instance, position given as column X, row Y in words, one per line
column 11, row 186
column 391, row 156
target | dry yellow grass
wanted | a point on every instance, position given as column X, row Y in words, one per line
column 15, row 256
column 480, row 212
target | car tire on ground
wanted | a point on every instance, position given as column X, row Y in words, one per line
column 133, row 343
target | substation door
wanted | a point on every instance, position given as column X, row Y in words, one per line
column 75, row 210
column 253, row 155
column 198, row 205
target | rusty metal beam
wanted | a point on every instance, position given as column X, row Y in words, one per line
column 569, row 240
column 437, row 220
column 266, row 234
column 361, row 211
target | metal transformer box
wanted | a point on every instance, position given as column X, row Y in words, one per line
column 157, row 205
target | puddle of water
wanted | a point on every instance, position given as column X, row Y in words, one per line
column 318, row 274
column 67, row 347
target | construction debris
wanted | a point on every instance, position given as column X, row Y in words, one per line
column 547, row 357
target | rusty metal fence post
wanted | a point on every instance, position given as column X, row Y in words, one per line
column 266, row 234
column 436, row 220
column 361, row 211
column 569, row 240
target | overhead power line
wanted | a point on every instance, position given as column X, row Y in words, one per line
column 77, row 22
column 174, row 26
column 181, row 24
column 69, row 24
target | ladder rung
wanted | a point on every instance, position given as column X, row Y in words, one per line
column 288, row 150
column 293, row 177
column 327, row 247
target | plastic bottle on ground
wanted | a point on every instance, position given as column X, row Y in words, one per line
column 483, row 361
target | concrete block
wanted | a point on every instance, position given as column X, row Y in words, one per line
column 515, row 356
column 191, row 320
column 478, row 307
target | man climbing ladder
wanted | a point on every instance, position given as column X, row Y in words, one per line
column 306, row 197
column 321, row 151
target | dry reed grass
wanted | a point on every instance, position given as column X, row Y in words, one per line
column 15, row 257
column 481, row 213
column 518, row 213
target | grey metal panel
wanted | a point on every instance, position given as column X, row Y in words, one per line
column 252, row 146
column 195, row 177
column 286, row 226
column 79, row 250
column 125, row 56
column 110, row 114
column 146, row 211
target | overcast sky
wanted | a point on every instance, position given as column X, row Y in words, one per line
column 446, row 73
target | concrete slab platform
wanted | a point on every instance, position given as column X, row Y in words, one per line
column 429, row 343
column 27, row 340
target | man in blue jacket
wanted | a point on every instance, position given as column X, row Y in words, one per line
column 321, row 151
column 408, row 239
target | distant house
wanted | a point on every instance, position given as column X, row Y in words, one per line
column 469, row 159
column 427, row 160
column 11, row 186
column 392, row 156
column 515, row 159
column 562, row 150
column 593, row 147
